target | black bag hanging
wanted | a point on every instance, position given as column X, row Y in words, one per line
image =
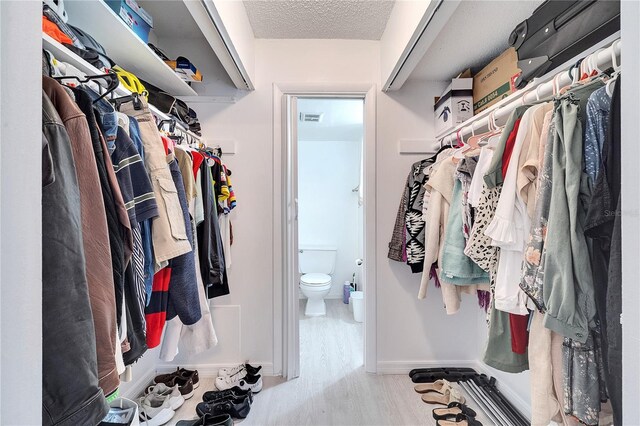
column 559, row 30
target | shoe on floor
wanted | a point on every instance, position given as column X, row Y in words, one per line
column 208, row 420
column 212, row 396
column 184, row 385
column 438, row 386
column 237, row 410
column 250, row 370
column 447, row 397
column 452, row 410
column 252, row 383
column 163, row 391
column 190, row 374
column 460, row 420
column 155, row 410
column 182, row 373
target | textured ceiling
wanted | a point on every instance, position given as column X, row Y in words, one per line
column 477, row 32
column 319, row 19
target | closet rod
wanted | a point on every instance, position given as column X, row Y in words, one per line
column 537, row 89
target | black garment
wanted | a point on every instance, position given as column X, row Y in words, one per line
column 210, row 248
column 604, row 230
column 184, row 300
column 117, row 233
column 136, row 325
column 70, row 392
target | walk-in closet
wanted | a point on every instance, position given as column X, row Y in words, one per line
column 319, row 212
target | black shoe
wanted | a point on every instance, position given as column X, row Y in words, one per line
column 184, row 385
column 237, row 410
column 190, row 374
column 462, row 419
column 452, row 410
column 208, row 420
column 236, row 392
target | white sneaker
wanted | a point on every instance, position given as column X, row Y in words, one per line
column 162, row 391
column 232, row 371
column 155, row 410
column 253, row 383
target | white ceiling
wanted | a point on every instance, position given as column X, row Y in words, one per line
column 477, row 32
column 319, row 19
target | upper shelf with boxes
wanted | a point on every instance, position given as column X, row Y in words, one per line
column 553, row 35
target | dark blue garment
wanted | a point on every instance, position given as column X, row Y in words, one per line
column 145, row 226
column 595, row 131
column 108, row 119
column 183, row 286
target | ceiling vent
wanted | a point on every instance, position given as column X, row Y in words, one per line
column 311, row 117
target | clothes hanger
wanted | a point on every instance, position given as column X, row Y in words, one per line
column 135, row 97
column 111, row 77
column 616, row 70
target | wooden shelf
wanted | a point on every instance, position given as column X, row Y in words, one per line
column 124, row 46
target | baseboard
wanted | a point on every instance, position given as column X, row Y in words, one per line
column 403, row 367
column 523, row 406
column 139, row 385
column 211, row 370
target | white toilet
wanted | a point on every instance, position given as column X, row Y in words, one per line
column 316, row 265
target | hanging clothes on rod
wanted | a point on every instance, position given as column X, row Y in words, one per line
column 527, row 209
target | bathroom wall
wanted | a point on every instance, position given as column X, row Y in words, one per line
column 328, row 171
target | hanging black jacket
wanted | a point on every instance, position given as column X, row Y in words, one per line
column 211, row 252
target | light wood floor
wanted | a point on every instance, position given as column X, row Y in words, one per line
column 333, row 388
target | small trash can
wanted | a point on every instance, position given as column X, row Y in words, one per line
column 357, row 300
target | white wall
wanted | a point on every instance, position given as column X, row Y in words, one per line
column 328, row 209
column 244, row 319
column 411, row 332
column 630, row 16
column 20, row 213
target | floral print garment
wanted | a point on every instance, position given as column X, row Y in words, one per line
column 479, row 248
column 534, row 253
column 584, row 385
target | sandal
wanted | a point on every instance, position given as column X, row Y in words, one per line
column 447, row 397
column 437, row 386
column 452, row 410
column 461, row 420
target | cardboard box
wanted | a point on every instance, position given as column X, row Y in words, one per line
column 185, row 70
column 496, row 81
column 134, row 16
column 454, row 106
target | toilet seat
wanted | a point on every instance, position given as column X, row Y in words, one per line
column 315, row 279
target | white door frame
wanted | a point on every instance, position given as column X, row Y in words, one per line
column 286, row 357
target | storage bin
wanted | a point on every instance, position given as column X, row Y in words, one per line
column 454, row 106
column 124, row 404
column 357, row 300
column 134, row 16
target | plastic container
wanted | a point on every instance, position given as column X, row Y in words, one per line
column 357, row 300
column 346, row 292
column 124, row 403
column 134, row 16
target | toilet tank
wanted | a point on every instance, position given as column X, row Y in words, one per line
column 319, row 260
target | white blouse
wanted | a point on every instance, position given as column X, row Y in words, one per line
column 509, row 229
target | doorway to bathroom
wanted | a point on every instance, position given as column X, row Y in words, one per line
column 328, row 232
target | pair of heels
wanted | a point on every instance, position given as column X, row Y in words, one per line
column 456, row 414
